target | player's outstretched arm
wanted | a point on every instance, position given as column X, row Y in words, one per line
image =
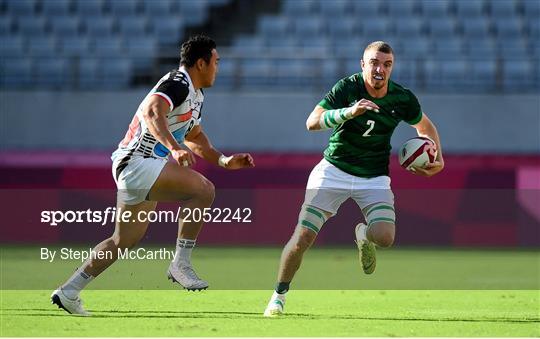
column 322, row 119
column 198, row 142
column 426, row 128
column 155, row 115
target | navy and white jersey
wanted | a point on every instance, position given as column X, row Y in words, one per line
column 185, row 105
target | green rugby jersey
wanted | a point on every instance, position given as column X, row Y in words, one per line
column 361, row 146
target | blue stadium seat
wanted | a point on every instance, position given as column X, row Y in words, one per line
column 317, row 46
column 512, row 48
column 410, row 28
column 32, row 25
column 16, row 72
column 330, row 72
column 283, row 46
column 257, row 72
column 111, row 46
column 248, row 45
column 518, row 75
column 485, row 48
column 99, row 26
column 441, row 28
column 158, row 7
column 376, row 28
column 308, row 27
column 435, row 8
column 531, row 9
column 65, row 26
column 483, row 74
column 193, row 12
column 123, row 8
column 115, row 73
column 88, row 73
column 450, row 48
column 501, row 9
column 93, row 8
column 417, row 48
column 227, row 73
column 533, row 30
column 335, row 9
column 469, row 8
column 74, row 46
column 298, row 8
column 345, row 28
column 352, row 65
column 168, row 30
column 294, row 73
column 53, row 8
column 366, row 8
column 51, row 73
column 477, row 29
column 142, row 52
column 274, row 27
column 509, row 28
column 42, row 46
column 405, row 72
column 444, row 75
column 133, row 27
column 350, row 48
column 6, row 25
column 12, row 46
column 397, row 9
column 21, row 7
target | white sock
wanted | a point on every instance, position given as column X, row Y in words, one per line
column 362, row 232
column 76, row 283
column 278, row 296
column 182, row 256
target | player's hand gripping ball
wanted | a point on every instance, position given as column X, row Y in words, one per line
column 417, row 153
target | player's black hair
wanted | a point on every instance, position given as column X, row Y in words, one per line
column 196, row 47
column 380, row 46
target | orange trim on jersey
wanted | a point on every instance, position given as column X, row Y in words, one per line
column 184, row 117
column 164, row 97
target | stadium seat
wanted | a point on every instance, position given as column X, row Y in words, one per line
column 115, row 73
column 441, row 28
column 87, row 71
column 344, row 28
column 21, row 7
column 132, row 27
column 123, row 8
column 16, row 72
column 56, row 7
column 405, row 72
column 111, row 46
column 248, row 45
column 416, row 48
column 284, row 46
column 63, row 26
column 91, row 8
column 483, row 74
column 474, row 48
column 51, row 73
column 531, row 9
column 308, row 27
column 377, row 28
column 469, row 9
column 318, row 46
column 6, row 25
column 501, row 9
column 168, row 30
column 477, row 29
column 294, row 73
column 334, row 10
column 509, row 28
column 12, row 46
column 142, row 52
column 157, row 7
column 193, row 12
column 402, row 8
column 450, row 48
column 257, row 72
column 366, row 8
column 352, row 66
column 518, row 74
column 435, row 9
column 298, row 8
column 227, row 74
column 42, row 46
column 273, row 27
column 350, row 48
column 533, row 30
column 99, row 26
column 512, row 48
column 410, row 28
column 75, row 46
column 32, row 25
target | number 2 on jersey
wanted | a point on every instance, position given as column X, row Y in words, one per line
column 371, row 124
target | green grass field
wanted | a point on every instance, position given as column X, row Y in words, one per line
column 412, row 293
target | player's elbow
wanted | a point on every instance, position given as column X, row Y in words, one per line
column 312, row 125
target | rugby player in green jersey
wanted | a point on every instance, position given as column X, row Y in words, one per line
column 363, row 110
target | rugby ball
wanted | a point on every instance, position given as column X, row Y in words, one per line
column 417, row 152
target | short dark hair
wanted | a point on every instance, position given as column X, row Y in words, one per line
column 196, row 47
column 380, row 46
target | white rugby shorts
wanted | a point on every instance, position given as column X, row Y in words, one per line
column 328, row 187
column 135, row 177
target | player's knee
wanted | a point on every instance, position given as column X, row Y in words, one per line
column 207, row 193
column 123, row 243
column 383, row 234
column 303, row 240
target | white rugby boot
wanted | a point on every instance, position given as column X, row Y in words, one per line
column 275, row 305
column 366, row 249
column 71, row 306
column 186, row 277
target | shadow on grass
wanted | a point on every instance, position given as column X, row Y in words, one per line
column 152, row 314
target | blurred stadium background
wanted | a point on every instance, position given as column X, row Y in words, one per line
column 73, row 72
